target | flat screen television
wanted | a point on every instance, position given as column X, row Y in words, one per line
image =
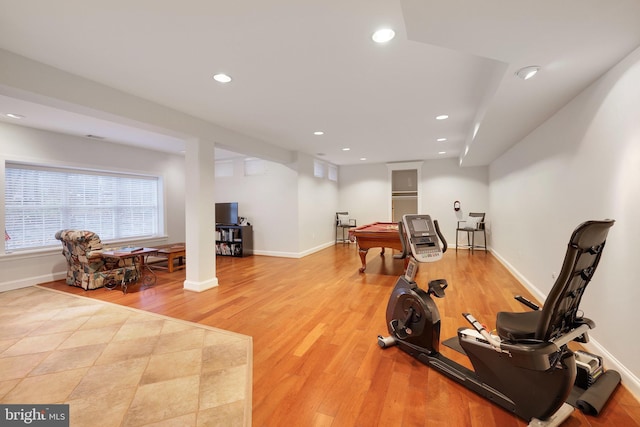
column 227, row 213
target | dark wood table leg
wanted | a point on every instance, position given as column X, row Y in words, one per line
column 363, row 258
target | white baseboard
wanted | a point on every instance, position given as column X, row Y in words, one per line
column 294, row 254
column 190, row 285
column 31, row 281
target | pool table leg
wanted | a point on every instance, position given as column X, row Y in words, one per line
column 363, row 259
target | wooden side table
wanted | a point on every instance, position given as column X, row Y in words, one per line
column 142, row 269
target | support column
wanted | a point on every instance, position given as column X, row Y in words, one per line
column 200, row 216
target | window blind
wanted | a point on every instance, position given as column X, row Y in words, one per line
column 39, row 201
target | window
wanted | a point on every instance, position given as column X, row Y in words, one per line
column 39, row 201
column 318, row 168
column 333, row 173
column 254, row 167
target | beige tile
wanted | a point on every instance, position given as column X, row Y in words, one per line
column 49, row 388
column 27, row 316
column 215, row 337
column 63, row 360
column 229, row 415
column 224, row 355
column 83, row 308
column 182, row 340
column 99, row 409
column 14, row 329
column 83, row 337
column 159, row 401
column 107, row 316
column 19, row 366
column 170, row 326
column 188, row 420
column 221, row 387
column 167, row 366
column 7, row 386
column 6, row 343
column 117, row 366
column 36, row 344
column 60, row 325
column 125, row 350
column 136, row 328
column 110, row 377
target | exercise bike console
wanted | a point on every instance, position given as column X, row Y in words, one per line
column 422, row 236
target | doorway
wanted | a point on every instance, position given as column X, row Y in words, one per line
column 404, row 193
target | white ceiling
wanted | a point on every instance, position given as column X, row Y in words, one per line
column 305, row 65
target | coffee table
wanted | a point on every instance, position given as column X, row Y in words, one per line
column 171, row 252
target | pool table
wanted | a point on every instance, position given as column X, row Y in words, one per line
column 377, row 235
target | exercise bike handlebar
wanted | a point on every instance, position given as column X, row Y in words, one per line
column 440, row 236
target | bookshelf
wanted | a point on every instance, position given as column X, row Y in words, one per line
column 234, row 240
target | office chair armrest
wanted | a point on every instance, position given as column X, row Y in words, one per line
column 533, row 306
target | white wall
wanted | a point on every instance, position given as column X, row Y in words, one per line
column 583, row 163
column 317, row 205
column 365, row 192
column 268, row 201
column 291, row 211
column 19, row 143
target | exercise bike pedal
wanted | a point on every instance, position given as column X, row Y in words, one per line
column 437, row 287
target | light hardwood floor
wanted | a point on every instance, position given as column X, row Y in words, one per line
column 315, row 320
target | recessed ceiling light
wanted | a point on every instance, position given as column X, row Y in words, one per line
column 363, row 158
column 442, row 152
column 222, row 78
column 441, row 139
column 346, row 149
column 527, row 72
column 318, row 132
column 14, row 116
column 383, row 35
column 442, row 117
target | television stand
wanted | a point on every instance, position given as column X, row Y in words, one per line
column 234, row 240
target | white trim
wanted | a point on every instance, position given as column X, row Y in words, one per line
column 294, row 254
column 200, row 286
column 32, row 281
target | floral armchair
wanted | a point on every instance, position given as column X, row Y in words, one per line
column 87, row 267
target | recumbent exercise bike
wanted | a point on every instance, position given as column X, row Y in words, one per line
column 527, row 368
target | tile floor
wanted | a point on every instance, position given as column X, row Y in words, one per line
column 118, row 366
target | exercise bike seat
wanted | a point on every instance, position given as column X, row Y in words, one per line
column 560, row 312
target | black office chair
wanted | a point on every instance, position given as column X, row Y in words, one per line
column 472, row 225
column 560, row 313
column 343, row 222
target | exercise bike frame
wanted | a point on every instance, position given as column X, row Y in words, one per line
column 547, row 369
